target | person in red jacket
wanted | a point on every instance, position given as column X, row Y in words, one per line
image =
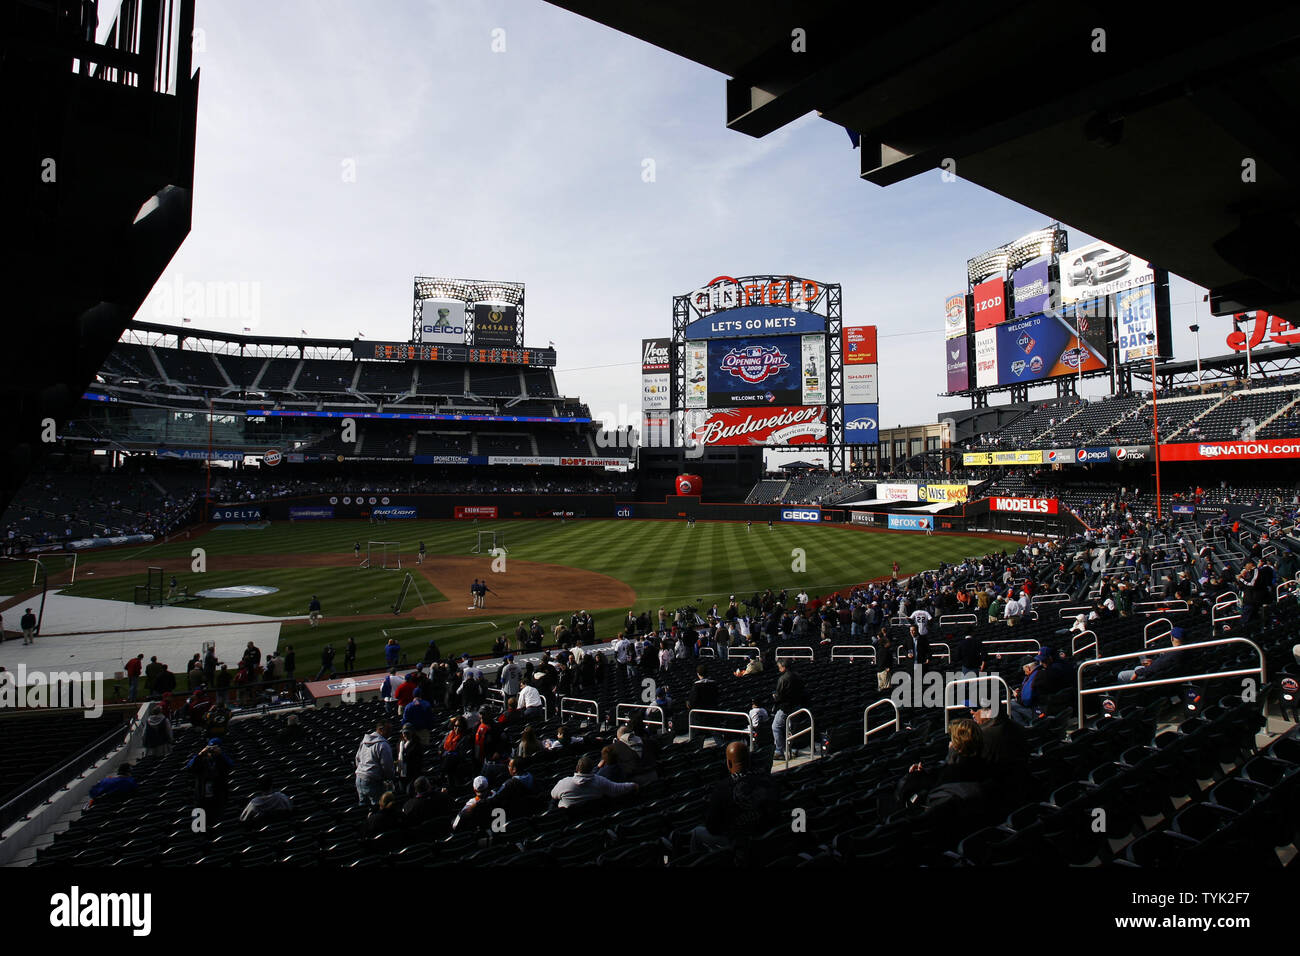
column 133, row 668
column 406, row 691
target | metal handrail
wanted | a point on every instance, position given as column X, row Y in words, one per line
column 1147, row 639
column 812, row 737
column 946, row 652
column 744, row 651
column 711, row 653
column 1216, row 618
column 1261, row 670
column 1038, row 646
column 1074, row 611
column 661, row 722
column 785, row 653
column 1075, row 648
column 946, row 619
column 1051, row 597
column 853, row 648
column 971, row 680
column 1161, row 607
column 565, row 709
column 896, row 721
column 691, row 726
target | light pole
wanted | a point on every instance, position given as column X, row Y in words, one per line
column 1155, row 415
column 1197, row 329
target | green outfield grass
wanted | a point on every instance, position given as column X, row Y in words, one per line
column 665, row 562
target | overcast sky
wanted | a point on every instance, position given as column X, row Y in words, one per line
column 345, row 147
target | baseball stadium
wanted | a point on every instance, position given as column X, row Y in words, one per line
column 414, row 597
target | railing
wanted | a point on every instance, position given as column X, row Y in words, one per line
column 620, row 719
column 1138, row 655
column 1075, row 649
column 812, row 737
column 692, row 726
column 1016, row 640
column 795, row 653
column 1161, row 607
column 566, row 708
column 743, row 651
column 962, row 681
column 895, row 722
column 707, row 652
column 1217, row 618
column 1065, row 612
column 867, row 651
column 1147, row 639
column 1286, row 587
column 1052, row 597
column 946, row 653
column 946, row 619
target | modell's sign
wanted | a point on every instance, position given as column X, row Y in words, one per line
column 724, row 292
column 654, row 355
column 783, row 425
column 1038, row 506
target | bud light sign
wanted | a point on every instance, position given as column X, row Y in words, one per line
column 393, row 511
column 861, row 424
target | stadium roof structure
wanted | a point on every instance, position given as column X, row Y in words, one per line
column 1265, row 363
column 1164, row 132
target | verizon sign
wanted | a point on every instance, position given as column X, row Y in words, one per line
column 1037, row 506
column 783, row 425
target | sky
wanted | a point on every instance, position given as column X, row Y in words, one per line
column 345, row 147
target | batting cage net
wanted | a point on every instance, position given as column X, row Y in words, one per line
column 151, row 592
column 408, row 584
column 489, row 541
column 383, row 554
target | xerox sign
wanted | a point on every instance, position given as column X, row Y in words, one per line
column 911, row 523
column 800, row 514
column 1040, row 506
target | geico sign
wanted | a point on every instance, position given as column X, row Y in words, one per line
column 801, row 516
column 1033, row 505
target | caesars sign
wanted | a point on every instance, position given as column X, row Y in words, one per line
column 495, row 324
column 724, row 292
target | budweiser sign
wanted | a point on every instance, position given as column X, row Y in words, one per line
column 1040, row 506
column 783, row 425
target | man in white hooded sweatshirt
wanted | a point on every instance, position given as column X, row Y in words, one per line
column 374, row 764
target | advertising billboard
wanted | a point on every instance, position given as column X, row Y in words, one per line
column 656, row 355
column 724, row 292
column 1135, row 324
column 495, row 324
column 1034, row 457
column 990, row 303
column 806, row 515
column 861, row 424
column 861, row 384
column 756, row 320
column 986, row 358
column 442, row 322
column 1030, row 289
column 656, row 391
column 860, row 345
column 954, row 316
column 471, row 512
column 898, row 492
column 760, row 371
column 1092, row 456
column 1091, row 317
column 789, row 425
column 1040, row 506
column 948, row 492
column 1040, row 347
column 813, row 349
column 957, row 361
column 976, row 458
column 1099, row 269
column 697, row 375
column 1230, row 450
column 911, row 522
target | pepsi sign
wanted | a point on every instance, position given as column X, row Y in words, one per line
column 806, row 515
column 1087, row 456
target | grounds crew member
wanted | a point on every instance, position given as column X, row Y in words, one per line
column 28, row 623
column 314, row 609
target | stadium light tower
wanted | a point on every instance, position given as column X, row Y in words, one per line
column 1155, row 415
column 1195, row 328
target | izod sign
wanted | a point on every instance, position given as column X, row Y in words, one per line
column 1036, row 506
column 990, row 303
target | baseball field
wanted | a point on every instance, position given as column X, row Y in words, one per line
column 548, row 569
